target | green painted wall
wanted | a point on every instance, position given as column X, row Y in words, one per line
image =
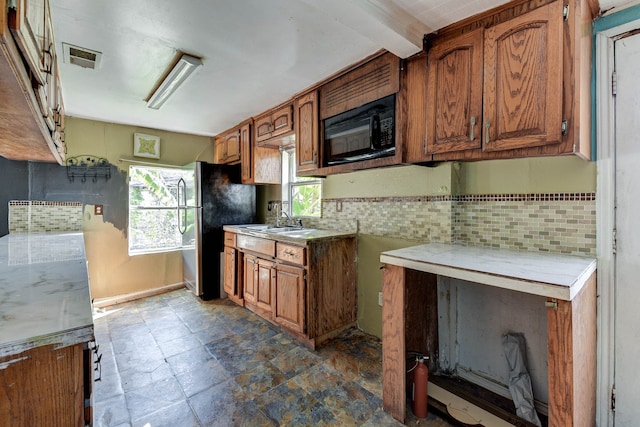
column 564, row 174
column 399, row 181
column 370, row 279
column 114, row 141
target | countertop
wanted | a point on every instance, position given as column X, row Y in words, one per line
column 44, row 291
column 551, row 275
column 295, row 236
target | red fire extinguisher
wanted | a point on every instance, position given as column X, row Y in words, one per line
column 420, row 396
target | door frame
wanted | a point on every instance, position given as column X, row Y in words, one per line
column 606, row 31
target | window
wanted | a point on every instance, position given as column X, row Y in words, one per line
column 301, row 196
column 153, row 209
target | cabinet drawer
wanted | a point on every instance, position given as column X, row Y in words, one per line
column 230, row 239
column 290, row 253
column 256, row 244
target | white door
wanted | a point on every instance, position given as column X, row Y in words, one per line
column 627, row 218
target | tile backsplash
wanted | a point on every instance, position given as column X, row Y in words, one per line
column 31, row 216
column 557, row 222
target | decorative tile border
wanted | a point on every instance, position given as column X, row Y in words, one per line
column 557, row 197
column 549, row 222
column 33, row 216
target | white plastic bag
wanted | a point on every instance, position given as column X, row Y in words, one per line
column 519, row 380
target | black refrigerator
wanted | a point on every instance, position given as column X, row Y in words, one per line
column 210, row 196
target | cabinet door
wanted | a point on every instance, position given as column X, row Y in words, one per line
column 232, row 141
column 28, row 24
column 282, row 121
column 219, row 150
column 307, row 136
column 454, row 94
column 45, row 386
column 523, row 80
column 227, row 148
column 289, row 309
column 262, row 127
column 230, row 286
column 247, row 154
column 250, row 278
column 265, row 286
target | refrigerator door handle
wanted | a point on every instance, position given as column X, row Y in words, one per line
column 182, row 211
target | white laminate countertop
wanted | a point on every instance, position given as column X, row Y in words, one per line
column 44, row 291
column 551, row 275
column 293, row 235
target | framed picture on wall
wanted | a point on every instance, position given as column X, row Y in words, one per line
column 146, row 146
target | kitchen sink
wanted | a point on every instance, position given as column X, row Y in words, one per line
column 256, row 226
column 274, row 229
column 296, row 232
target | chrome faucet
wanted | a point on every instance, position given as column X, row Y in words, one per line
column 290, row 221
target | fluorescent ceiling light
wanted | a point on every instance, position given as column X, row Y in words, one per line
column 185, row 66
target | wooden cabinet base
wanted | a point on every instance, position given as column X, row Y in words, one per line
column 46, row 386
column 308, row 288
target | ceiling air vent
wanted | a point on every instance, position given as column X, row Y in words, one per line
column 81, row 56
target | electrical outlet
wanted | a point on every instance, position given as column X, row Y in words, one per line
column 380, row 299
column 97, row 210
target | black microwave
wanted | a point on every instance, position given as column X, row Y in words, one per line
column 366, row 132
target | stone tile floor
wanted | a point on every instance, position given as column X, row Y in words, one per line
column 173, row 360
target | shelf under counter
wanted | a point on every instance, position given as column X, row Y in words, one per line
column 410, row 316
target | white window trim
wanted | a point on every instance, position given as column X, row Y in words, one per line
column 291, row 183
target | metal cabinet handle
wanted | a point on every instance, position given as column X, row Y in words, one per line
column 472, row 126
column 487, row 124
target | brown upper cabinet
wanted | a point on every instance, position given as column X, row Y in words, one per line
column 307, row 133
column 274, row 128
column 32, row 126
column 227, row 147
column 259, row 165
column 523, row 81
column 454, row 85
column 512, row 82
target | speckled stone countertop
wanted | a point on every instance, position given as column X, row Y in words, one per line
column 551, row 275
column 44, row 291
column 291, row 235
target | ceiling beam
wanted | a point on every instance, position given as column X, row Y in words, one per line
column 397, row 19
column 381, row 21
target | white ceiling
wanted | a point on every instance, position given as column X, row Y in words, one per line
column 256, row 53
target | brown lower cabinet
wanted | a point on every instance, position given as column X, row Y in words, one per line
column 47, row 386
column 308, row 288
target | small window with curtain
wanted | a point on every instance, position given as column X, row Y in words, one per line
column 301, row 196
